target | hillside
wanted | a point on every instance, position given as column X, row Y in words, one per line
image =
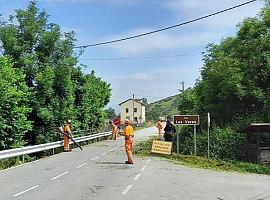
column 162, row 108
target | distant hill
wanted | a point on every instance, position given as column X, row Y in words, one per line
column 164, row 107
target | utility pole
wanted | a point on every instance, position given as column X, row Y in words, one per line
column 133, row 97
column 183, row 86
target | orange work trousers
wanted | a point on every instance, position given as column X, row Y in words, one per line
column 159, row 130
column 66, row 143
column 129, row 147
column 114, row 134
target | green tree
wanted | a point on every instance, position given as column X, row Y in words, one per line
column 234, row 88
column 110, row 113
column 13, row 105
column 95, row 95
column 187, row 102
column 59, row 90
column 235, row 79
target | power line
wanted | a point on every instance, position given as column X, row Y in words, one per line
column 140, row 58
column 166, row 28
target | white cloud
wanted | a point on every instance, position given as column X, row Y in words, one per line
column 9, row 9
column 149, row 79
column 160, row 41
column 156, row 84
column 190, row 9
column 201, row 33
column 140, row 76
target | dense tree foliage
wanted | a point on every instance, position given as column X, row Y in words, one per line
column 55, row 89
column 110, row 113
column 235, row 79
column 234, row 87
column 14, row 106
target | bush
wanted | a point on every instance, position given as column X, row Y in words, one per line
column 144, row 149
column 6, row 163
column 225, row 143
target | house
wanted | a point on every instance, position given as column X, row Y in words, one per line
column 134, row 110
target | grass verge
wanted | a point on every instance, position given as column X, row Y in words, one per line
column 144, row 149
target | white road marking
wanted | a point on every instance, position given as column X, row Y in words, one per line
column 95, row 158
column 104, row 153
column 127, row 189
column 148, row 161
column 81, row 165
column 137, row 177
column 143, row 168
column 20, row 193
column 59, row 175
column 21, row 165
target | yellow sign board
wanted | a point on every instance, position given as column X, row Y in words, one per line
column 161, row 147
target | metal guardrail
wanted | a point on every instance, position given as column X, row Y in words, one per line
column 43, row 147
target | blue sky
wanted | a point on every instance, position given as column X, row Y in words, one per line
column 100, row 20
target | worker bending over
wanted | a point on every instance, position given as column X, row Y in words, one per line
column 114, row 130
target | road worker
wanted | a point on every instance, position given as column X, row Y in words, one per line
column 67, row 130
column 129, row 138
column 159, row 126
column 114, row 130
column 117, row 122
column 169, row 131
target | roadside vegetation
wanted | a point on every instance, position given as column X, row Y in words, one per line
column 162, row 108
column 233, row 87
column 144, row 149
column 42, row 84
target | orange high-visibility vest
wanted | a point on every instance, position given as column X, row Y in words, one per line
column 67, row 128
column 128, row 131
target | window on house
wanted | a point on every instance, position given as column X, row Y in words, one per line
column 136, row 119
column 126, row 110
column 135, row 109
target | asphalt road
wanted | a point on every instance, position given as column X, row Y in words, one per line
column 99, row 172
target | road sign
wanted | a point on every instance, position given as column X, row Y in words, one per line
column 186, row 119
column 162, row 147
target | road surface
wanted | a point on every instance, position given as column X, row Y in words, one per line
column 99, row 172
